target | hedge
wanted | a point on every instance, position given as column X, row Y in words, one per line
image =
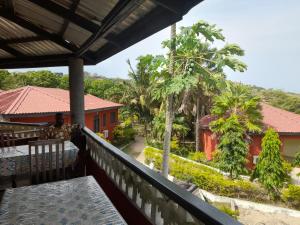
column 291, row 195
column 206, row 178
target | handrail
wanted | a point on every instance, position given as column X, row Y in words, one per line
column 24, row 124
column 198, row 208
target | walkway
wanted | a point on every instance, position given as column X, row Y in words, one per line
column 135, row 149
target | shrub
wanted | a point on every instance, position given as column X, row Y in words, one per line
column 269, row 169
column 229, row 211
column 291, row 195
column 232, row 144
column 296, row 161
column 123, row 133
column 197, row 156
column 287, row 166
column 175, row 147
column 102, row 136
column 205, row 178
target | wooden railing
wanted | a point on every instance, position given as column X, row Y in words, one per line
column 12, row 134
column 158, row 199
column 17, row 126
column 37, row 130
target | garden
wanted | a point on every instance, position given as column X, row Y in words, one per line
column 166, row 96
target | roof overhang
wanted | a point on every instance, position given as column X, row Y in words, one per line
column 43, row 114
column 40, row 33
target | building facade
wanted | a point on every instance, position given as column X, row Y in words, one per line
column 36, row 104
column 287, row 124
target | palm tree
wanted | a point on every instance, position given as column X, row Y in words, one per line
column 137, row 93
column 237, row 113
column 237, row 100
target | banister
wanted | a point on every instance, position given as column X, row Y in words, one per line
column 192, row 204
column 24, row 124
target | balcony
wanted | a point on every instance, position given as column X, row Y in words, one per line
column 140, row 195
column 65, row 37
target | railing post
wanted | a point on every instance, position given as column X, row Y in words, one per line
column 79, row 140
column 76, row 84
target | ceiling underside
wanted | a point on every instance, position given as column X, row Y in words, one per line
column 41, row 33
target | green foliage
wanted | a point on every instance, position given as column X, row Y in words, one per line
column 111, row 89
column 104, row 88
column 291, row 195
column 42, row 78
column 197, row 156
column 198, row 63
column 216, row 156
column 205, row 178
column 64, row 82
column 229, row 211
column 296, row 161
column 269, row 169
column 238, row 100
column 175, row 146
column 287, row 166
column 4, row 77
column 137, row 92
column 102, row 136
column 233, row 148
column 284, row 100
column 123, row 133
column 237, row 112
column 179, row 128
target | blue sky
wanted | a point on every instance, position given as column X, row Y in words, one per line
column 267, row 30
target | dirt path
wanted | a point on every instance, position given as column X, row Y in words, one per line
column 135, row 149
column 254, row 217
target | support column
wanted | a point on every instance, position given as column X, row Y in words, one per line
column 76, row 83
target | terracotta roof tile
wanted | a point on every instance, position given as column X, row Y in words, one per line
column 279, row 119
column 30, row 100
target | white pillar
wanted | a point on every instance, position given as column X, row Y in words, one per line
column 76, row 83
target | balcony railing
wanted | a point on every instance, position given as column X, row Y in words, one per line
column 141, row 195
column 156, row 198
column 18, row 126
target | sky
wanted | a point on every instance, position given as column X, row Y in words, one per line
column 268, row 31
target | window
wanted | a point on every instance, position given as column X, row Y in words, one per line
column 255, row 159
column 105, row 132
column 113, row 118
column 96, row 123
column 104, row 120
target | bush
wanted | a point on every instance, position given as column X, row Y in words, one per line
column 291, row 195
column 287, row 166
column 197, row 156
column 102, row 136
column 205, row 178
column 269, row 169
column 297, row 160
column 175, row 147
column 123, row 133
column 229, row 211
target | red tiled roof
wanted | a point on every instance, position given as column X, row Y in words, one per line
column 31, row 100
column 281, row 120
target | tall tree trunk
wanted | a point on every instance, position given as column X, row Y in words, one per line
column 199, row 115
column 197, row 123
column 169, row 110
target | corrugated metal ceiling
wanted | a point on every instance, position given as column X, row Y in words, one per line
column 9, row 30
column 32, row 28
